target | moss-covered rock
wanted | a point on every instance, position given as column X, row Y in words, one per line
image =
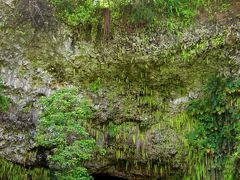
column 138, row 81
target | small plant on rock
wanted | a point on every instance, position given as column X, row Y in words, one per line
column 4, row 101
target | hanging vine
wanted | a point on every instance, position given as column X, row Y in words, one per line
column 217, row 114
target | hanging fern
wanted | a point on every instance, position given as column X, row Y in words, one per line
column 218, row 115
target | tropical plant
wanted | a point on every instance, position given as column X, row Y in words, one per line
column 61, row 129
column 218, row 115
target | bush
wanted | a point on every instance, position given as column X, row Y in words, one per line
column 61, row 129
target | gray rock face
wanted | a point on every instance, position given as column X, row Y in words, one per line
column 22, row 89
column 23, row 85
column 16, row 144
column 18, row 124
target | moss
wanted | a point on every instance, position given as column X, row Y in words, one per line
column 138, row 74
column 27, row 108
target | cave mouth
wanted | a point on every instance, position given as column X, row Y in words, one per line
column 106, row 177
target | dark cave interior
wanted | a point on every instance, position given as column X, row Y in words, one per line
column 107, row 177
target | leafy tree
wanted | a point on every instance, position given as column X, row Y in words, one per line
column 218, row 115
column 61, row 129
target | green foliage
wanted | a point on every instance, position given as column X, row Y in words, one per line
column 73, row 174
column 231, row 169
column 4, row 101
column 75, row 13
column 141, row 12
column 145, row 83
column 95, row 86
column 112, row 129
column 218, row 115
column 149, row 11
column 61, row 128
column 11, row 171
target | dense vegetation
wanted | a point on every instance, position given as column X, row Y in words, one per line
column 213, row 143
column 166, row 103
column 216, row 133
column 127, row 14
column 61, row 129
column 145, row 91
column 84, row 12
column 9, row 170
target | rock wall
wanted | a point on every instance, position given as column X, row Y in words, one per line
column 138, row 83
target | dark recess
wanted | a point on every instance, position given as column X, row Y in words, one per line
column 106, row 177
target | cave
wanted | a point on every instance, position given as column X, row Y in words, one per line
column 107, row 177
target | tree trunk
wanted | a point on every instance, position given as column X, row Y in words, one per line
column 106, row 15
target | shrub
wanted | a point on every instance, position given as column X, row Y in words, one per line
column 61, row 129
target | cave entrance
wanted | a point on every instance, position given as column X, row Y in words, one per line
column 106, row 177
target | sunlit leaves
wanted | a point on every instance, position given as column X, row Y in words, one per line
column 74, row 12
column 61, row 129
